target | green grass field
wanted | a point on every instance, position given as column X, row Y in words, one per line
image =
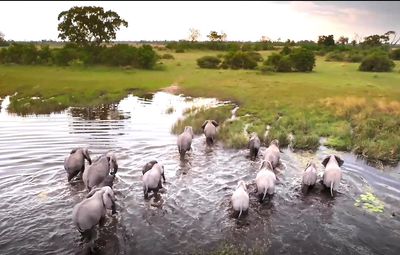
column 357, row 111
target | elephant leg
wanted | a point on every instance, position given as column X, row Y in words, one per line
column 159, row 185
column 80, row 175
column 146, row 193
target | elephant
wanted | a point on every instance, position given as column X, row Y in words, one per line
column 75, row 162
column 254, row 145
column 332, row 173
column 310, row 175
column 265, row 180
column 100, row 170
column 92, row 210
column 152, row 179
column 210, row 130
column 272, row 154
column 240, row 198
column 185, row 141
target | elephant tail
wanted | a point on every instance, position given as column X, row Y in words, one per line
column 331, row 189
column 265, row 193
column 240, row 213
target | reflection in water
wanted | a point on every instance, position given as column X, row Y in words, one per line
column 192, row 212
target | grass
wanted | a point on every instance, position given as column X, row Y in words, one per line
column 355, row 110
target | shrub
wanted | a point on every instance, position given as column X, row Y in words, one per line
column 355, row 56
column 302, row 60
column 256, row 56
column 376, row 62
column 180, row 50
column 285, row 51
column 118, row 55
column 146, row 57
column 335, row 56
column 395, row 54
column 208, row 62
column 279, row 63
column 167, row 56
column 240, row 60
column 18, row 53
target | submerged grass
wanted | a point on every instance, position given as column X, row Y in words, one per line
column 355, row 110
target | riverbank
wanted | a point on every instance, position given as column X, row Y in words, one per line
column 355, row 110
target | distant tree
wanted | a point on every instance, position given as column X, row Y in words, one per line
column 375, row 40
column 194, row 34
column 3, row 42
column 265, row 39
column 394, row 40
column 326, row 40
column 215, row 37
column 343, row 40
column 354, row 42
column 89, row 25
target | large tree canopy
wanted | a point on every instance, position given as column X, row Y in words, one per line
column 89, row 25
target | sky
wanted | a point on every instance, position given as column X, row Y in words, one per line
column 241, row 21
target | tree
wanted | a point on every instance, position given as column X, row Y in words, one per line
column 89, row 25
column 394, row 40
column 194, row 34
column 3, row 42
column 214, row 36
column 375, row 40
column 302, row 60
column 326, row 40
column 343, row 40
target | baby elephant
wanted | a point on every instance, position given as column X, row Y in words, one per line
column 185, row 141
column 100, row 170
column 332, row 173
column 210, row 130
column 93, row 208
column 148, row 166
column 310, row 175
column 75, row 162
column 254, row 145
column 272, row 154
column 265, row 180
column 152, row 179
column 240, row 198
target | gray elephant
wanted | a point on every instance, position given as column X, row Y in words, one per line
column 75, row 162
column 332, row 173
column 210, row 130
column 152, row 179
column 92, row 210
column 254, row 145
column 240, row 198
column 309, row 175
column 272, row 154
column 100, row 170
column 185, row 141
column 265, row 180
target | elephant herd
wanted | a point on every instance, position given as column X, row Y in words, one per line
column 98, row 177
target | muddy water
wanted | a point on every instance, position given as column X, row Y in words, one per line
column 192, row 214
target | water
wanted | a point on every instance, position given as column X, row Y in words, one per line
column 193, row 212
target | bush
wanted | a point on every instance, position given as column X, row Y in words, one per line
column 302, row 60
column 376, row 62
column 279, row 63
column 285, row 51
column 336, row 56
column 395, row 54
column 208, row 62
column 180, row 50
column 25, row 54
column 146, row 57
column 240, row 60
column 167, row 56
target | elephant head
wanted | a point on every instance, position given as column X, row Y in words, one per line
column 338, row 160
column 113, row 162
column 189, row 130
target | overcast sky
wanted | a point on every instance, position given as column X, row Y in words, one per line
column 239, row 20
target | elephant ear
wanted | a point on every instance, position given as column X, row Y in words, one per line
column 204, row 124
column 339, row 160
column 325, row 161
column 87, row 156
column 214, row 123
column 73, row 151
column 108, row 198
column 262, row 164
